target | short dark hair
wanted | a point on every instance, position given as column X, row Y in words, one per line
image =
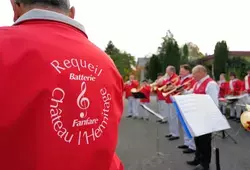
column 186, row 67
column 145, row 81
column 232, row 74
column 159, row 74
column 59, row 4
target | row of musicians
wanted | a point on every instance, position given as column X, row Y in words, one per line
column 165, row 106
column 172, row 78
column 234, row 87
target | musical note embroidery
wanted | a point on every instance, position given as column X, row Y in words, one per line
column 82, row 101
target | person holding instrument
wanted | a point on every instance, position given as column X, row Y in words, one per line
column 224, row 88
column 145, row 89
column 187, row 81
column 174, row 81
column 235, row 89
column 162, row 106
column 247, row 85
column 132, row 102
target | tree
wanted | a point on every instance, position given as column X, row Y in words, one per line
column 153, row 67
column 220, row 58
column 123, row 60
column 194, row 52
column 111, row 49
column 169, row 52
column 238, row 65
column 184, row 54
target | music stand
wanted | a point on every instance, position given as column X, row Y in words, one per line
column 139, row 95
column 157, row 129
column 225, row 134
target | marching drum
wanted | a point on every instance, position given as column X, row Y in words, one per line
column 245, row 118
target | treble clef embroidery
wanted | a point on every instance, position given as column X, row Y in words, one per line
column 82, row 101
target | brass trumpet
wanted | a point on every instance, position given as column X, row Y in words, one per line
column 174, row 90
column 170, row 85
column 178, row 88
column 157, row 82
column 166, row 87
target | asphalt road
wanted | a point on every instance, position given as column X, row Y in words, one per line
column 137, row 147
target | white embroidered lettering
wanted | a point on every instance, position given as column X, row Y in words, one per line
column 78, row 64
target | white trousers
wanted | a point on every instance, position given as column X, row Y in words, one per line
column 223, row 107
column 143, row 112
column 248, row 99
column 173, row 121
column 162, row 108
column 189, row 142
column 236, row 109
column 133, row 106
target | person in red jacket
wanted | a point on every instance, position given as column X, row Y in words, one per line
column 187, row 81
column 162, row 106
column 235, row 89
column 174, row 79
column 58, row 111
column 247, row 85
column 204, row 85
column 146, row 90
column 224, row 89
column 132, row 102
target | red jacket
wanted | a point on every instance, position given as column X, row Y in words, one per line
column 235, row 87
column 202, row 88
column 188, row 82
column 224, row 89
column 175, row 80
column 159, row 93
column 146, row 91
column 58, row 111
column 128, row 86
column 247, row 83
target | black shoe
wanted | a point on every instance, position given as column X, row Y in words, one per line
column 163, row 122
column 237, row 120
column 174, row 138
column 159, row 121
column 183, row 147
column 193, row 163
column 189, row 151
column 168, row 136
column 200, row 167
column 231, row 117
column 141, row 118
column 147, row 119
column 129, row 116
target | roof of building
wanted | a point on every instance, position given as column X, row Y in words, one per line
column 231, row 53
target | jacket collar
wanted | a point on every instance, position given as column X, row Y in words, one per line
column 39, row 14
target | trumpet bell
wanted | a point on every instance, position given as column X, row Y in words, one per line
column 161, row 88
column 245, row 120
column 164, row 94
column 133, row 90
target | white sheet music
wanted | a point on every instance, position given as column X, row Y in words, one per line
column 236, row 97
column 201, row 114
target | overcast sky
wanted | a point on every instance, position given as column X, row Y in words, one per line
column 138, row 25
